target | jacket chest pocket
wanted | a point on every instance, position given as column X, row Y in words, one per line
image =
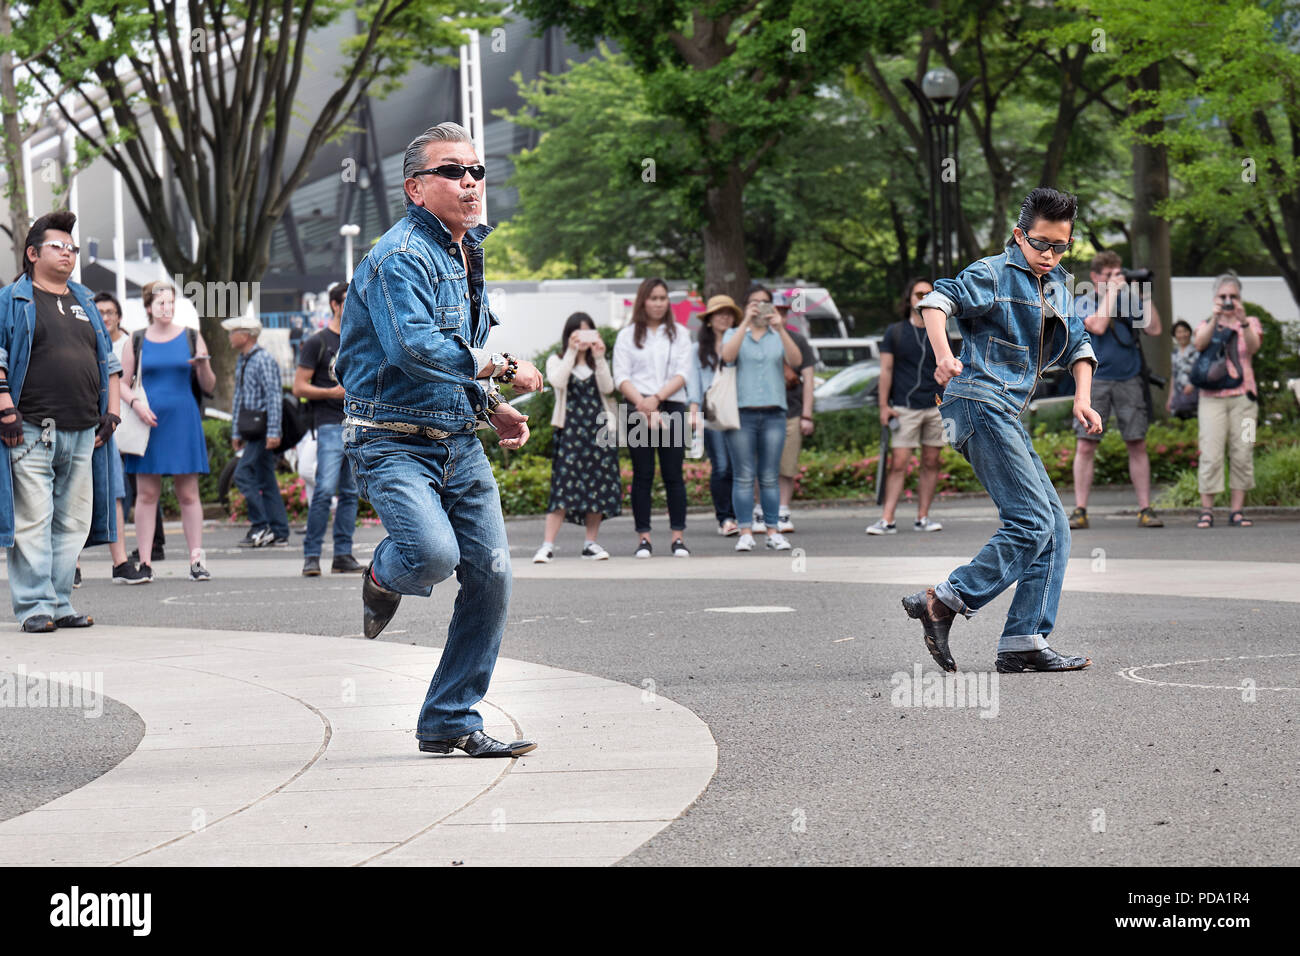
column 1007, row 362
column 449, row 316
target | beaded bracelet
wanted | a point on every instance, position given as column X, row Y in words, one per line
column 511, row 369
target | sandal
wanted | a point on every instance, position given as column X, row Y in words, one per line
column 1206, row 520
column 1239, row 520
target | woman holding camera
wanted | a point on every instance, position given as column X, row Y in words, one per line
column 760, row 347
column 1228, row 415
column 585, row 483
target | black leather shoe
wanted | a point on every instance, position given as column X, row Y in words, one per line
column 346, row 564
column 74, row 620
column 380, row 606
column 311, row 567
column 39, row 624
column 478, row 744
column 936, row 620
column 1017, row 662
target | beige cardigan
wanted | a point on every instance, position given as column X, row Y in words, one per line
column 558, row 370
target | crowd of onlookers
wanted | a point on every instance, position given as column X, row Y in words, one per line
column 741, row 391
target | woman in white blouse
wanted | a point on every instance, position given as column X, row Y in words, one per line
column 585, row 483
column 651, row 362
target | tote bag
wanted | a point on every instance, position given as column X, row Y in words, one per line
column 721, row 412
column 133, row 432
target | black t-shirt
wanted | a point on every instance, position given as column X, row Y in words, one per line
column 318, row 354
column 62, row 380
column 794, row 394
column 914, row 366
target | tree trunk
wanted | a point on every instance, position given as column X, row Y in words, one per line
column 725, row 270
column 19, row 216
column 1150, row 241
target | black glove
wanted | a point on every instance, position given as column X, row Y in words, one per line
column 11, row 424
column 107, row 425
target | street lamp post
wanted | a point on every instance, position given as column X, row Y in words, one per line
column 348, row 231
column 941, row 101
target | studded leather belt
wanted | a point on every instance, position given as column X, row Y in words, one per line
column 405, row 427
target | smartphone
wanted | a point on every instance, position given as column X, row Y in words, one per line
column 588, row 335
column 766, row 313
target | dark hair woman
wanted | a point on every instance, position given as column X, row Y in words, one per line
column 721, row 315
column 585, row 483
column 651, row 365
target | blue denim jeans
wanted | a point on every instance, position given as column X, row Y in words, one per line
column 255, row 479
column 440, row 505
column 715, row 445
column 755, row 448
column 53, row 497
column 1031, row 548
column 333, row 477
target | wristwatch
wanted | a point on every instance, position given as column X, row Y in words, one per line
column 494, row 398
column 499, row 363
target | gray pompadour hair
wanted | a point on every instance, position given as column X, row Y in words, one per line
column 442, row 133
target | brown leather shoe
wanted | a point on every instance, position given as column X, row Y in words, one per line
column 936, row 620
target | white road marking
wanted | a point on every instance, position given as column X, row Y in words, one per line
column 1131, row 673
column 753, row 609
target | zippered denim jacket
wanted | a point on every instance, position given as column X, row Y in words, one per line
column 409, row 350
column 17, row 330
column 1014, row 326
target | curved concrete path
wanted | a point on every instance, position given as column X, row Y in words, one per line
column 286, row 749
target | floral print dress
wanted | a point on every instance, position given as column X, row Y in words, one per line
column 584, row 475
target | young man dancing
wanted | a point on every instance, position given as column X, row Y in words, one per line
column 1014, row 312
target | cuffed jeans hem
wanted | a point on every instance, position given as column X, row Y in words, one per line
column 1022, row 642
column 426, row 735
column 946, row 593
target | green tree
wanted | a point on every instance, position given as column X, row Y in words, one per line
column 220, row 81
column 738, row 77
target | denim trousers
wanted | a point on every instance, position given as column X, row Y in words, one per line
column 441, row 509
column 255, row 479
column 1031, row 548
column 671, row 457
column 715, row 446
column 53, row 497
column 333, row 477
column 755, row 448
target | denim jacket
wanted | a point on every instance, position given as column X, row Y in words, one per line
column 17, row 327
column 1014, row 326
column 409, row 350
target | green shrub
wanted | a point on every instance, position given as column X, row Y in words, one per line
column 1277, row 482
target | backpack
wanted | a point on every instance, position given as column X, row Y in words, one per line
column 1219, row 365
column 293, row 421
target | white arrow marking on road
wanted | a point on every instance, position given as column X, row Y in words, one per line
column 755, row 609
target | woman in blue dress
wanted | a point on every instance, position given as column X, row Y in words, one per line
column 168, row 404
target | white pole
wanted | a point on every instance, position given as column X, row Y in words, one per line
column 347, row 255
column 74, row 198
column 471, row 99
column 159, row 161
column 119, row 236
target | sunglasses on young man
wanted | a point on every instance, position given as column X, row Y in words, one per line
column 453, row 171
column 60, row 245
column 1042, row 245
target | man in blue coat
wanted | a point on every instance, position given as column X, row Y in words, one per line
column 58, row 410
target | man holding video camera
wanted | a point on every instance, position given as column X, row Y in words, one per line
column 1116, row 317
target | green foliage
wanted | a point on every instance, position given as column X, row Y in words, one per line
column 1277, row 483
column 1277, row 360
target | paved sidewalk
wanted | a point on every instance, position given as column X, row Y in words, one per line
column 284, row 749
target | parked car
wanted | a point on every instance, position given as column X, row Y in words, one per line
column 854, row 387
column 833, row 354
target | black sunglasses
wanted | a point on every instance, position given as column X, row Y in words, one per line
column 1042, row 245
column 453, row 171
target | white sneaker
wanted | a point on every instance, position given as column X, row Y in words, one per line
column 594, row 552
column 643, row 550
column 758, row 526
column 784, row 524
column 925, row 524
column 746, row 543
column 544, row 554
column 881, row 528
column 728, row 528
column 777, row 542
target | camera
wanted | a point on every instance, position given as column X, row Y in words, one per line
column 1137, row 275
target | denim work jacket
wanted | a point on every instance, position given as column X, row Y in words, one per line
column 409, row 349
column 1014, row 325
column 17, row 327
